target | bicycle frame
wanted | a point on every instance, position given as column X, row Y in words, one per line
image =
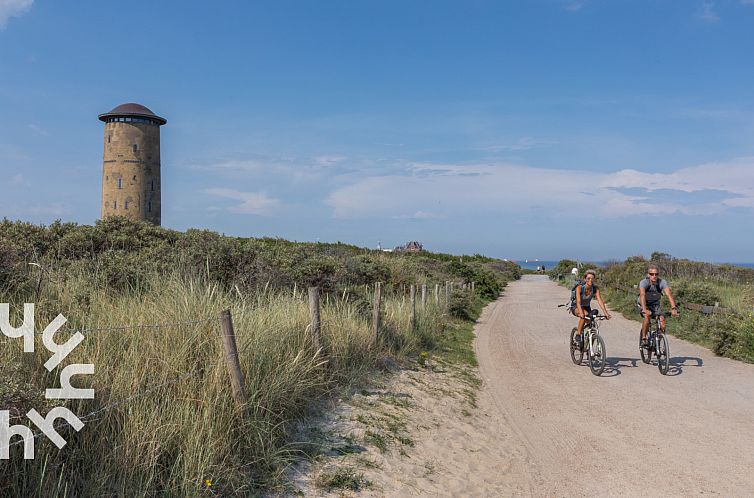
column 591, row 343
column 657, row 343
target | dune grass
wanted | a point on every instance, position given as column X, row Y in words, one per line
column 174, row 429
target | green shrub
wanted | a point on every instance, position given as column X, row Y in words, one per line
column 368, row 270
column 322, row 271
column 460, row 305
column 563, row 268
column 695, row 292
column 733, row 337
column 487, row 284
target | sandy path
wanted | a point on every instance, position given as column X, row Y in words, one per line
column 587, row 435
column 542, row 426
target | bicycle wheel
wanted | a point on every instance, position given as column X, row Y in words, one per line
column 597, row 355
column 663, row 354
column 646, row 351
column 577, row 353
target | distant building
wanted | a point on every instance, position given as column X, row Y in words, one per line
column 131, row 164
column 413, row 246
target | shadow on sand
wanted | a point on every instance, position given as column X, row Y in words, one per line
column 677, row 363
column 615, row 365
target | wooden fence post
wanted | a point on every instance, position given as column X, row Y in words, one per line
column 447, row 293
column 314, row 314
column 231, row 358
column 424, row 296
column 376, row 314
column 437, row 294
column 472, row 287
column 413, row 307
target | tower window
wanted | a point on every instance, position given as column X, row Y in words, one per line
column 149, row 206
column 136, row 147
column 152, row 185
column 126, row 206
column 120, row 182
column 108, row 139
column 115, row 204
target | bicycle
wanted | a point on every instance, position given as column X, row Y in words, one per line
column 657, row 344
column 591, row 343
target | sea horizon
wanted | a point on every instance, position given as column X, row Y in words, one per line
column 532, row 264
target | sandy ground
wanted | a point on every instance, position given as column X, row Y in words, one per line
column 542, row 426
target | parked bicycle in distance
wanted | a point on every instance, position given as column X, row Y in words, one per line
column 591, row 343
column 657, row 343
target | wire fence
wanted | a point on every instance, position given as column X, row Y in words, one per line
column 701, row 308
column 230, row 356
column 135, row 326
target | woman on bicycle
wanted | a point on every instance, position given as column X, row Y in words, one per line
column 584, row 294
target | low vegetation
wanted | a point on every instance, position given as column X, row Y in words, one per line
column 163, row 422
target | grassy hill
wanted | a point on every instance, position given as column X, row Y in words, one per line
column 147, row 299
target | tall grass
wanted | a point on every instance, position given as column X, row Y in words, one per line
column 174, row 429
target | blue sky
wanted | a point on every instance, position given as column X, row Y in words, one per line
column 539, row 129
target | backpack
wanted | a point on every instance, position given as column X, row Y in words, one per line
column 656, row 291
column 572, row 303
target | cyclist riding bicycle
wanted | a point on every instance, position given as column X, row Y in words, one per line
column 651, row 290
column 584, row 294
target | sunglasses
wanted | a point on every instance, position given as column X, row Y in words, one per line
column 653, row 273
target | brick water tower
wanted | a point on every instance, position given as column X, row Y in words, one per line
column 131, row 164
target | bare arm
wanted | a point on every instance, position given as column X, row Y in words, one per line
column 673, row 310
column 643, row 299
column 579, row 310
column 602, row 304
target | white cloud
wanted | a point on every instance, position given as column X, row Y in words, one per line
column 419, row 215
column 38, row 130
column 329, row 160
column 298, row 169
column 523, row 143
column 13, row 8
column 574, row 5
column 707, row 12
column 251, row 202
column 234, row 165
column 18, row 180
column 54, row 209
column 505, row 189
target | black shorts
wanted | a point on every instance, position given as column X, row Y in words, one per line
column 654, row 309
column 589, row 311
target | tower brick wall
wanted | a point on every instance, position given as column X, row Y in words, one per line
column 131, row 183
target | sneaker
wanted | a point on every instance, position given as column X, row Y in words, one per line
column 643, row 343
column 577, row 340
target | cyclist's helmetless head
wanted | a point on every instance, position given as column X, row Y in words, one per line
column 590, row 276
column 653, row 273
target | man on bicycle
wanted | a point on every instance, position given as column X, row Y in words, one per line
column 584, row 294
column 651, row 290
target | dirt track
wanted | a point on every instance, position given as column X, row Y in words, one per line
column 587, row 435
